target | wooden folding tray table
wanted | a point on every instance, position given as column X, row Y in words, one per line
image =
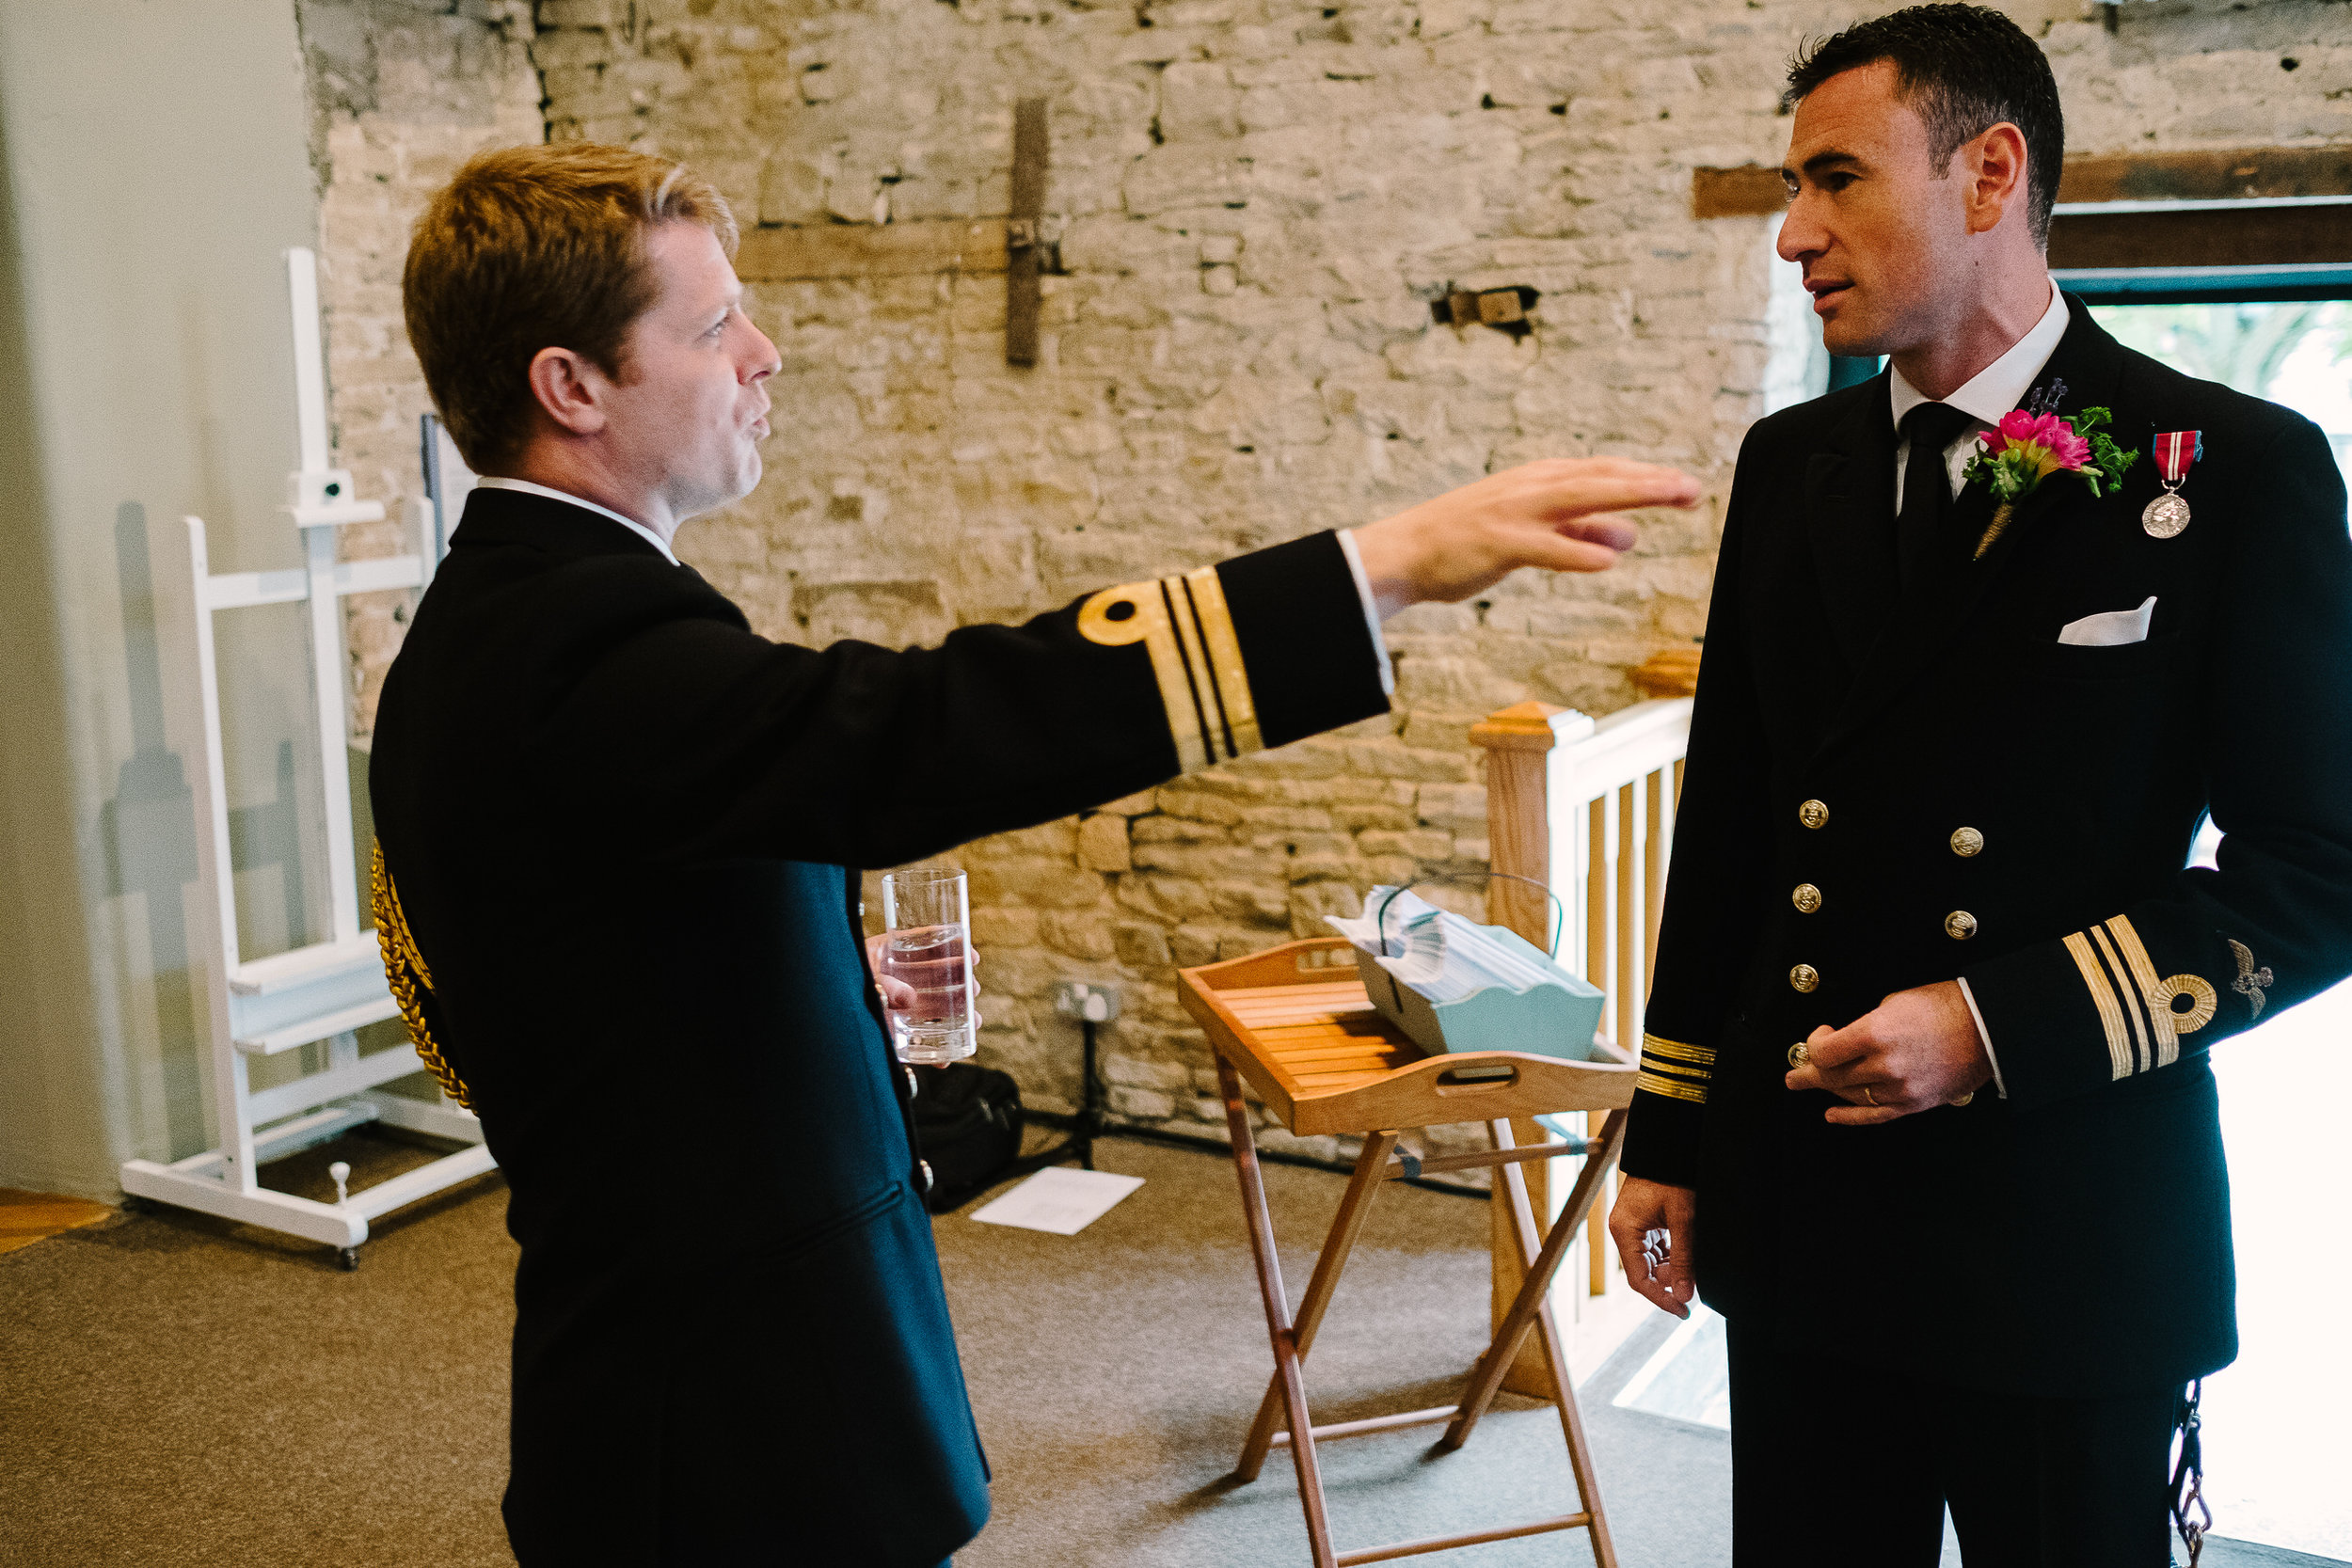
column 1295, row 1022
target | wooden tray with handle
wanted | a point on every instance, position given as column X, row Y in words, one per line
column 1295, row 1020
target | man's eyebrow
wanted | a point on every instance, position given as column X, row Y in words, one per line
column 1820, row 164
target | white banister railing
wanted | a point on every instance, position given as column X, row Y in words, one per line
column 1585, row 808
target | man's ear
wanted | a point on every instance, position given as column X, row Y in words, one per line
column 1995, row 166
column 569, row 389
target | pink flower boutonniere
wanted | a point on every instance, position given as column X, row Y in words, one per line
column 2031, row 445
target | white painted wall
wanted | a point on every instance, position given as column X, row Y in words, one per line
column 155, row 167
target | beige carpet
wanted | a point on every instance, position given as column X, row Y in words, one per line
column 176, row 1390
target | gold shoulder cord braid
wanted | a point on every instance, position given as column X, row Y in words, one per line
column 404, row 966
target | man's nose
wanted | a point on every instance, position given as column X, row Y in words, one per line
column 1800, row 237
column 765, row 360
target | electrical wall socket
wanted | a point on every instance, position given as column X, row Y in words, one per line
column 1084, row 999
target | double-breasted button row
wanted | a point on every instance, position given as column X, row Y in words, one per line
column 1805, row 896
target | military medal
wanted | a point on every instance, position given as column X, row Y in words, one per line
column 2168, row 514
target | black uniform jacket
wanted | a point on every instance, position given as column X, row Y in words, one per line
column 620, row 829
column 1966, row 796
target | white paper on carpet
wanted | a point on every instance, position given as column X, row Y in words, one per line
column 1058, row 1199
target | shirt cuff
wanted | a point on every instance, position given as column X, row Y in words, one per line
column 1984, row 1037
column 1371, row 611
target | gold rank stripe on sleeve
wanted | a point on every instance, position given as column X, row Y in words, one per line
column 1184, row 625
column 2103, row 999
column 2134, row 1014
column 1675, row 1070
column 2134, row 1006
column 2153, row 993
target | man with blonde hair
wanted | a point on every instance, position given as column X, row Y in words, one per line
column 620, row 834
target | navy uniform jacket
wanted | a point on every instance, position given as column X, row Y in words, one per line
column 1973, row 798
column 621, row 832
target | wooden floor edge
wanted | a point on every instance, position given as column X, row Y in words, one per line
column 27, row 1217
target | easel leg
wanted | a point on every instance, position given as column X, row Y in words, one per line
column 1355, row 1207
column 1533, row 1310
column 1277, row 1315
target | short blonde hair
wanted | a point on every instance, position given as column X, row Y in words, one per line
column 534, row 247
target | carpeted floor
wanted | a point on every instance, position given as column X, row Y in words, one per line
column 175, row 1390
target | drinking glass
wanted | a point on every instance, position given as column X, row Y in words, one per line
column 926, row 916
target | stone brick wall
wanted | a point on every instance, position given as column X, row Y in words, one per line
column 1257, row 202
column 401, row 92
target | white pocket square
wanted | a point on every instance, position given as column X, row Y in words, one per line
column 2111, row 629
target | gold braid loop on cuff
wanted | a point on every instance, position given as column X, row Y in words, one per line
column 404, row 968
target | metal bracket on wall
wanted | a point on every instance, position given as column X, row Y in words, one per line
column 1504, row 310
column 1026, row 240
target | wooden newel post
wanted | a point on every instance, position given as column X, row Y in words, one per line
column 1583, row 809
column 1517, row 741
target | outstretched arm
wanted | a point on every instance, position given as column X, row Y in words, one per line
column 711, row 741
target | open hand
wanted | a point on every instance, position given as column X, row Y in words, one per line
column 1652, row 1224
column 1560, row 513
column 1915, row 1050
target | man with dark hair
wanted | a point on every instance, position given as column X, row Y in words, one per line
column 618, row 842
column 1963, row 70
column 1924, row 1106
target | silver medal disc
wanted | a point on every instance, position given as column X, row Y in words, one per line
column 2167, row 516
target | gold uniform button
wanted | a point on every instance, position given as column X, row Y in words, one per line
column 1813, row 814
column 1805, row 977
column 1960, row 924
column 1798, row 1055
column 1806, row 897
column 1966, row 841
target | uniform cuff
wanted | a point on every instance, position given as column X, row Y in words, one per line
column 1372, row 610
column 1298, row 624
column 1984, row 1037
column 1662, row 1139
column 2065, row 1029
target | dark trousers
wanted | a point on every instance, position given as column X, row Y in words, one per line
column 1839, row 1464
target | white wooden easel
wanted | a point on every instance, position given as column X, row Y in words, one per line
column 329, row 990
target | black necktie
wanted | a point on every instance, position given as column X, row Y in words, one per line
column 1930, row 428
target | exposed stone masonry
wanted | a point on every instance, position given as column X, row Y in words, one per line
column 401, row 93
column 1257, row 202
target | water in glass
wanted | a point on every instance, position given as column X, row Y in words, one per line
column 927, row 948
column 938, row 1027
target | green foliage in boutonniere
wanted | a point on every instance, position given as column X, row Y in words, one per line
column 2029, row 447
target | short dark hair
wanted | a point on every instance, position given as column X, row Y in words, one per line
column 1963, row 69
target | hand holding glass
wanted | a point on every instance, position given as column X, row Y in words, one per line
column 926, row 948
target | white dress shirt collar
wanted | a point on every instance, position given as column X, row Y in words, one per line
column 2001, row 385
column 648, row 535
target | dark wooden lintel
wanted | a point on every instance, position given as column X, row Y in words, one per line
column 2203, row 237
column 1753, row 190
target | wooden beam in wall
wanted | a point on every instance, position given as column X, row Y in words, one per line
column 1750, row 191
column 1753, row 190
column 2203, row 237
column 826, row 251
column 2246, row 174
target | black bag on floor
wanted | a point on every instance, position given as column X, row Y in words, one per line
column 967, row 1118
